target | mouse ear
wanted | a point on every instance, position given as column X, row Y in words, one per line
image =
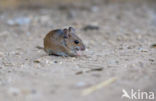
column 66, row 34
column 71, row 30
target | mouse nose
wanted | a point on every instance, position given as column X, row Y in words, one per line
column 83, row 48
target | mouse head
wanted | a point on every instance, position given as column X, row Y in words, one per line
column 72, row 40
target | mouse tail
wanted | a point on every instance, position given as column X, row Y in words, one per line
column 40, row 47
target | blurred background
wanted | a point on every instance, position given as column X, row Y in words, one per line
column 48, row 3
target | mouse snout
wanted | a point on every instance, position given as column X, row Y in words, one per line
column 83, row 48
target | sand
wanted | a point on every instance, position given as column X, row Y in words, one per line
column 120, row 49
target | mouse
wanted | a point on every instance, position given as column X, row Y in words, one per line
column 63, row 42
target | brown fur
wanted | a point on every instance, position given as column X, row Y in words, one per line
column 61, row 42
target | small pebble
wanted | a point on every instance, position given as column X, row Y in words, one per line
column 91, row 27
column 129, row 47
column 39, row 47
column 55, row 61
column 152, row 60
column 36, row 61
column 153, row 46
column 78, row 73
column 142, row 50
column 96, row 69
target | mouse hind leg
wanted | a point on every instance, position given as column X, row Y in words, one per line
column 61, row 54
column 49, row 51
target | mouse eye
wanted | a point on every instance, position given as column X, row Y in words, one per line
column 76, row 42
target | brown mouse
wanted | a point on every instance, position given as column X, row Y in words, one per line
column 63, row 42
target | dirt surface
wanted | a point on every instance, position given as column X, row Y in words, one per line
column 119, row 48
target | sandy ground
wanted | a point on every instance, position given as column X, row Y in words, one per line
column 120, row 48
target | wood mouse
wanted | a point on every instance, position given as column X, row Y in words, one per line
column 63, row 42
